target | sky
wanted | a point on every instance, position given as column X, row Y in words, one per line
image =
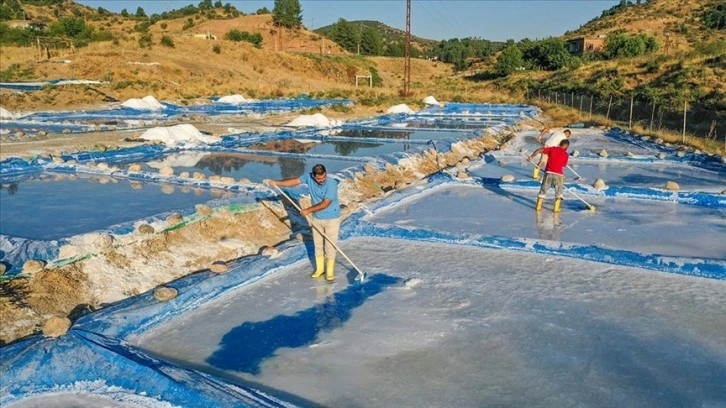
column 497, row 20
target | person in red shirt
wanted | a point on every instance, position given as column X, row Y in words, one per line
column 554, row 172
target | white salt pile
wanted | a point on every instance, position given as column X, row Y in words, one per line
column 402, row 108
column 146, row 103
column 430, row 100
column 233, row 99
column 6, row 114
column 316, row 120
column 185, row 134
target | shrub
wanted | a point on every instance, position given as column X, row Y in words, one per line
column 237, row 35
column 167, row 41
column 377, row 80
column 188, row 24
column 217, row 49
column 145, row 40
column 339, row 107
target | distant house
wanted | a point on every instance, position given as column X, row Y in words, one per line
column 206, row 36
column 26, row 24
column 583, row 45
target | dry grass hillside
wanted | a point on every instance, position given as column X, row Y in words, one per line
column 675, row 23
column 289, row 62
column 690, row 60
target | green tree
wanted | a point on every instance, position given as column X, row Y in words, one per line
column 140, row 13
column 454, row 52
column 370, row 42
column 550, row 54
column 624, row 46
column 124, row 13
column 16, row 36
column 345, row 34
column 10, row 9
column 73, row 27
column 395, row 49
column 715, row 18
column 287, row 13
column 510, row 60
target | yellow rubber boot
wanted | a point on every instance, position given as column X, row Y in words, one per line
column 330, row 270
column 319, row 267
column 535, row 173
column 538, row 207
column 558, row 201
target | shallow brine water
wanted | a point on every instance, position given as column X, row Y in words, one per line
column 53, row 206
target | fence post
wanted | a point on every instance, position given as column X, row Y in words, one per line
column 685, row 109
column 652, row 116
column 591, row 99
column 572, row 99
column 607, row 115
column 630, row 121
column 580, row 102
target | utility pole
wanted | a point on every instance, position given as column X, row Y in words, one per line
column 407, row 63
column 360, row 35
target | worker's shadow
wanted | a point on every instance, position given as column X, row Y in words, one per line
column 493, row 186
column 246, row 347
column 297, row 223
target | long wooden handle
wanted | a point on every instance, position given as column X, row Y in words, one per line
column 312, row 223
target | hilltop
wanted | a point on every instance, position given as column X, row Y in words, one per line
column 393, row 39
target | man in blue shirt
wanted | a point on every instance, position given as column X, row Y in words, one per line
column 323, row 215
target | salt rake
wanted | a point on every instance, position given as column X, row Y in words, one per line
column 589, row 206
column 361, row 275
column 577, row 176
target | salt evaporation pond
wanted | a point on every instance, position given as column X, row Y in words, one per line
column 254, row 167
column 449, row 124
column 347, row 149
column 613, row 172
column 472, row 299
column 404, row 134
column 450, row 325
column 53, row 206
column 87, row 400
column 617, row 223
